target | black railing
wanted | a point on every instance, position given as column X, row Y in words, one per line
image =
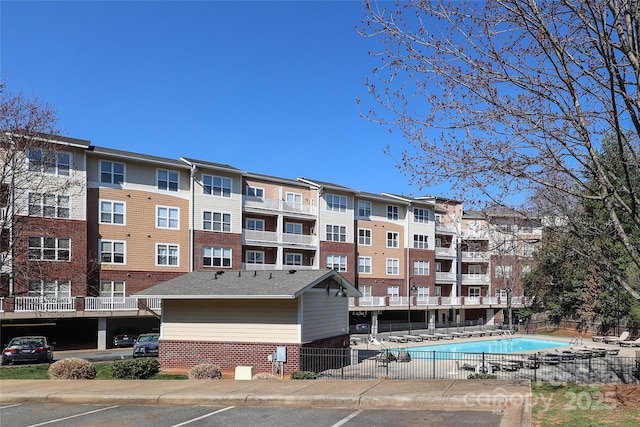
column 554, row 366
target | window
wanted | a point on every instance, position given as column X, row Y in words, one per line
column 216, row 221
column 336, row 203
column 420, row 215
column 255, row 192
column 393, row 212
column 167, row 217
column 216, row 257
column 421, row 268
column 111, row 212
column 423, row 293
column 255, row 224
column 366, row 292
column 48, row 205
column 393, row 266
column 364, row 209
column 216, row 185
column 438, row 267
column 293, row 228
column 437, row 218
column 49, row 248
column 293, row 259
column 437, row 291
column 337, row 262
column 49, row 289
column 393, row 292
column 255, row 257
column 112, row 289
column 475, row 269
column 51, row 162
column 474, row 293
column 294, row 198
column 111, row 172
column 527, row 249
column 504, row 270
column 392, row 239
column 364, row 265
column 420, row 241
column 336, row 233
column 364, row 236
column 112, row 252
column 167, row 254
column 167, row 180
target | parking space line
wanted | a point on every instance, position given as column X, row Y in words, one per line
column 344, row 420
column 10, row 406
column 204, row 416
column 74, row 416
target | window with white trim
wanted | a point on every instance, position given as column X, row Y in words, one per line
column 527, row 249
column 364, row 265
column 366, row 292
column 255, row 192
column 393, row 292
column 112, row 252
column 167, row 254
column 111, row 172
column 474, row 269
column 49, row 248
column 50, row 162
column 293, row 228
column 49, row 289
column 216, row 257
column 112, row 212
column 393, row 212
column 294, row 198
column 438, row 267
column 254, row 257
column 336, row 233
column 112, row 289
column 393, row 239
column 423, row 293
column 167, row 217
column 216, row 185
column 474, row 293
column 364, row 208
column 291, row 258
column 437, row 291
column 168, row 180
column 420, row 215
column 49, row 205
column 421, row 267
column 336, row 203
column 255, row 224
column 216, row 221
column 364, row 236
column 420, row 241
column 393, row 266
column 505, row 271
column 337, row 262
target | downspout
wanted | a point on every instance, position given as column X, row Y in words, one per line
column 192, row 217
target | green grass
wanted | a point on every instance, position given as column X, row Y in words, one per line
column 40, row 372
column 579, row 406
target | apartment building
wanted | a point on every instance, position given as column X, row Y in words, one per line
column 92, row 226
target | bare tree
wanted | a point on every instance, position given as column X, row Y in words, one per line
column 504, row 97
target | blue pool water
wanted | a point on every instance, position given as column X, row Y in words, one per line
column 503, row 345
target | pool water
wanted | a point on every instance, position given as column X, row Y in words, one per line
column 503, row 345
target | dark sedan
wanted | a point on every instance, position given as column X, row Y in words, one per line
column 146, row 345
column 124, row 340
column 28, row 349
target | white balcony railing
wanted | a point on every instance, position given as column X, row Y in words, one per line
column 22, row 304
column 400, row 303
column 253, row 237
column 445, row 227
column 278, row 206
column 475, row 279
column 445, row 277
column 445, row 252
column 1, row 305
column 475, row 256
column 267, row 267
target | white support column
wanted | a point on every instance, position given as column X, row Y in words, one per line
column 374, row 323
column 102, row 333
column 432, row 318
column 490, row 317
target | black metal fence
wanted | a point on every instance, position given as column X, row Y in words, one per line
column 585, row 367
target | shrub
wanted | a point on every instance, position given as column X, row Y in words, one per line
column 205, row 371
column 303, row 375
column 265, row 376
column 135, row 369
column 482, row 377
column 72, row 368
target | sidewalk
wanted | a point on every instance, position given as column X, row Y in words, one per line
column 511, row 398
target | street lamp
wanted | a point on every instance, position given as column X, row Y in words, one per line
column 409, row 289
column 508, row 291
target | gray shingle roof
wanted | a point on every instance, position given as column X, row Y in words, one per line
column 277, row 284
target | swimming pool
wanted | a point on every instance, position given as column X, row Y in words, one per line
column 503, row 345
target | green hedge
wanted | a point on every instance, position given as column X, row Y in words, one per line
column 303, row 375
column 135, row 369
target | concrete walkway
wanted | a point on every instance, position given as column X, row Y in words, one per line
column 510, row 398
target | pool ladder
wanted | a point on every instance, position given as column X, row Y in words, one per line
column 575, row 341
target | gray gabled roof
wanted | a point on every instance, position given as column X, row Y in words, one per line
column 242, row 284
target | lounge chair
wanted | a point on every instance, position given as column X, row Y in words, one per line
column 477, row 333
column 598, row 338
column 413, row 337
column 597, row 351
column 442, row 336
column 403, row 356
column 395, row 338
column 385, row 357
column 429, row 337
column 629, row 343
column 614, row 340
column 460, row 334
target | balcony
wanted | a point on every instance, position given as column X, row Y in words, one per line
column 278, row 206
column 401, row 303
column 444, row 227
column 475, row 279
column 445, row 277
column 475, row 234
column 442, row 252
column 78, row 304
column 267, row 267
column 271, row 238
column 475, row 256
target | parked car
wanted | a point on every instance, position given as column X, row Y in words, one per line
column 360, row 328
column 146, row 345
column 28, row 349
column 124, row 340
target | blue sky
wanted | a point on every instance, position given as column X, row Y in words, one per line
column 268, row 87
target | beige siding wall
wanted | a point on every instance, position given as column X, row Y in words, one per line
column 324, row 315
column 337, row 218
column 207, row 202
column 231, row 320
